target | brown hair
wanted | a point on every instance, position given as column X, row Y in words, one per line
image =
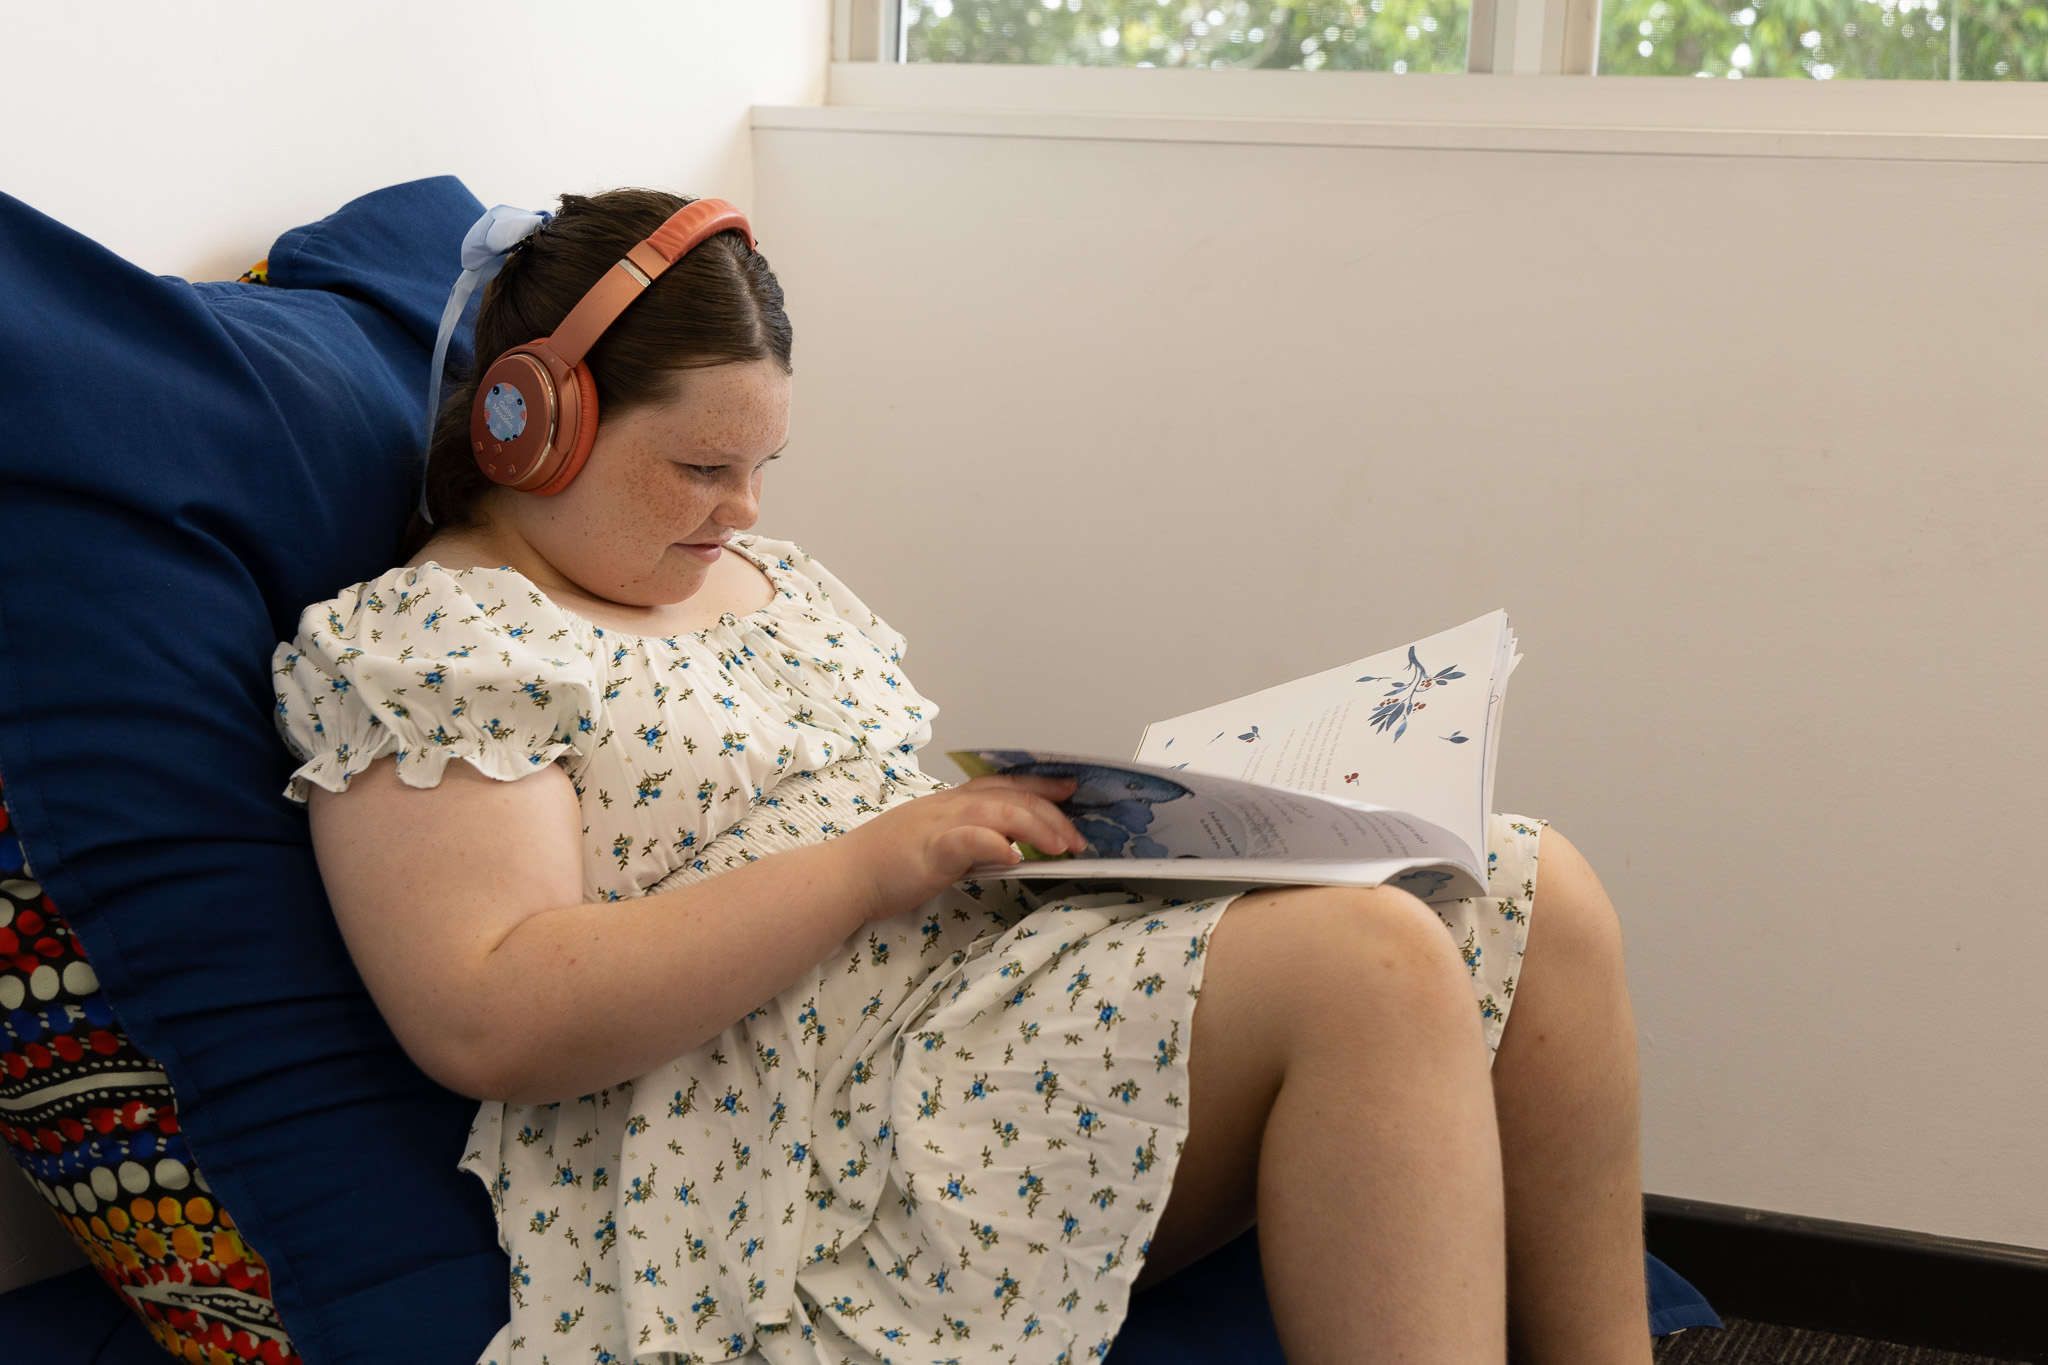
column 717, row 305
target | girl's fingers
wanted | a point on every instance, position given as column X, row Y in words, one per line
column 1052, row 788
column 1056, row 833
column 1032, row 819
column 1040, row 796
column 979, row 844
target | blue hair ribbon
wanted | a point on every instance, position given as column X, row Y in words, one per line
column 484, row 249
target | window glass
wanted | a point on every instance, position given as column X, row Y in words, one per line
column 1377, row 35
column 1969, row 40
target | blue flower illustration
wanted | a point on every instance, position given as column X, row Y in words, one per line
column 1401, row 700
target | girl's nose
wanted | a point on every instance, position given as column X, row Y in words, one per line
column 741, row 507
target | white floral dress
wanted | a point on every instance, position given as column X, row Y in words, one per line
column 949, row 1141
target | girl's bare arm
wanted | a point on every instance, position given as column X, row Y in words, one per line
column 462, row 907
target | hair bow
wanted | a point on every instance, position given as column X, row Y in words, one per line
column 484, row 248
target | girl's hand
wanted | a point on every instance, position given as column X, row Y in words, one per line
column 905, row 856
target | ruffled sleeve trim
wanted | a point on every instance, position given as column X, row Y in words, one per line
column 427, row 666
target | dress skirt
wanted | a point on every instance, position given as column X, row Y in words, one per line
column 951, row 1141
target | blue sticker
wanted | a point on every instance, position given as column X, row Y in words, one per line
column 505, row 412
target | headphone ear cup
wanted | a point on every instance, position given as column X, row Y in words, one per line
column 513, row 418
column 575, row 444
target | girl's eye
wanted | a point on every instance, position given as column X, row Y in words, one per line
column 712, row 471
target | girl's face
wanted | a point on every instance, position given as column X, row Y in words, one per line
column 664, row 485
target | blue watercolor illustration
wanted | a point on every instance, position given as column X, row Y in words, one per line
column 1402, row 699
column 1112, row 807
column 1422, row 883
column 1455, row 737
column 1252, row 735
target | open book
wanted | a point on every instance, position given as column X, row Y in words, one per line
column 1379, row 771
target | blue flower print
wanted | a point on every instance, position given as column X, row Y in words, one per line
column 1148, row 1155
column 1031, row 1190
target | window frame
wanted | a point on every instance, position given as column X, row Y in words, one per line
column 1554, row 39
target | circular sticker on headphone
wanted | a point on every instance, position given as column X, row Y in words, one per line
column 505, row 412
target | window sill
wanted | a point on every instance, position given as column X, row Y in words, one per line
column 1889, row 120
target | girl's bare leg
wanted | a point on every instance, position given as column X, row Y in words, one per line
column 1564, row 1084
column 1338, row 1091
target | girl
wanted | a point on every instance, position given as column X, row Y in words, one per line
column 762, row 1076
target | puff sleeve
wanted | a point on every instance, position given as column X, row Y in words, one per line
column 427, row 665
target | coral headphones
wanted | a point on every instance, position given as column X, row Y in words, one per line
column 535, row 415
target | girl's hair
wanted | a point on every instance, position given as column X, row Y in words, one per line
column 718, row 304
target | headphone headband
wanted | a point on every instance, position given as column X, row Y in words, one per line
column 639, row 268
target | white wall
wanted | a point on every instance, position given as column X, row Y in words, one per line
column 1118, row 417
column 187, row 137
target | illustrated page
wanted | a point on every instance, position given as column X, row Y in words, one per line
column 1412, row 728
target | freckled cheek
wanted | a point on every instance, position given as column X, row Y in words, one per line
column 659, row 503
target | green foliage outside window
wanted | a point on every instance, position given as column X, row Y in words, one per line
column 1977, row 40
column 1377, row 35
column 1987, row 40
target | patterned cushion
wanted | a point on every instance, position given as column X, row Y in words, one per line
column 94, row 1124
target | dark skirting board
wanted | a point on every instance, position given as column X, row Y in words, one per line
column 1918, row 1289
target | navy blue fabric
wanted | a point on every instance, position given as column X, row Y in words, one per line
column 1212, row 1313
column 1674, row 1304
column 73, row 1320
column 1215, row 1312
column 186, row 466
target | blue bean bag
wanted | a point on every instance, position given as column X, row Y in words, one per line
column 189, row 465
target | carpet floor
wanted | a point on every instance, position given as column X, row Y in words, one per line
column 1757, row 1343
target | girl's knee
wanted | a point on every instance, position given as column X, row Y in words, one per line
column 1351, row 951
column 1577, row 918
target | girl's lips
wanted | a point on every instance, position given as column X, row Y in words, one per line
column 707, row 551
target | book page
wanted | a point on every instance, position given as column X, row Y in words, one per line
column 1412, row 728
